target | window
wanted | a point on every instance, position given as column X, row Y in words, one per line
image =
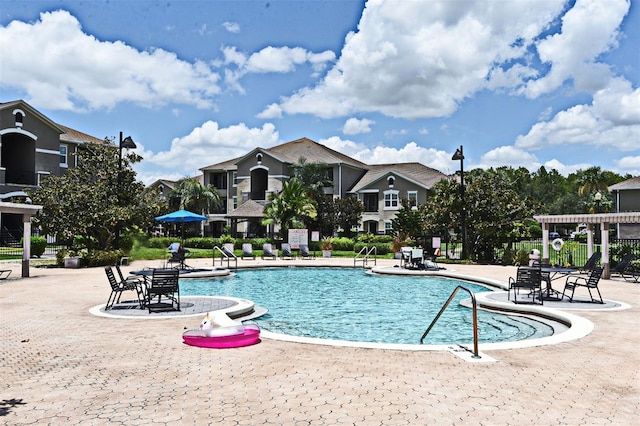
column 63, row 156
column 391, row 200
column 412, row 196
column 370, row 202
column 388, row 229
column 235, row 202
column 235, row 178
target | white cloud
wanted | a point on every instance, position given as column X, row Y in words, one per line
column 411, row 152
column 353, row 126
column 211, row 144
column 416, row 59
column 629, row 165
column 61, row 67
column 510, row 155
column 232, row 27
column 270, row 60
column 589, row 29
column 611, row 121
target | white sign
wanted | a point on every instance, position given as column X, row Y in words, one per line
column 315, row 235
column 297, row 237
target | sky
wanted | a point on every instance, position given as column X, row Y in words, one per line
column 525, row 83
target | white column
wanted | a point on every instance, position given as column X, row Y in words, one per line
column 589, row 240
column 26, row 245
column 545, row 241
column 604, row 236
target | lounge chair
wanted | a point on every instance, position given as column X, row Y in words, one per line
column 304, row 252
column 119, row 287
column 626, row 270
column 590, row 282
column 247, row 251
column 4, row 273
column 227, row 250
column 164, row 282
column 591, row 263
column 268, row 252
column 527, row 278
column 286, row 251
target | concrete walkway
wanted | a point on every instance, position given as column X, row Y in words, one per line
column 59, row 364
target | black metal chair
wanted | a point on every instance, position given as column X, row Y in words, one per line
column 164, row 282
column 625, row 269
column 590, row 282
column 119, row 287
column 527, row 278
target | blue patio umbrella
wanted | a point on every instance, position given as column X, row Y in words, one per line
column 181, row 216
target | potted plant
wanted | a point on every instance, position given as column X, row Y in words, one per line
column 326, row 246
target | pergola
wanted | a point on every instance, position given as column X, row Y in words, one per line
column 603, row 219
column 26, row 210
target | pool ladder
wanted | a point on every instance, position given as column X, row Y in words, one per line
column 367, row 254
column 475, row 317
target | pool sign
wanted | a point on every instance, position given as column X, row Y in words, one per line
column 297, row 237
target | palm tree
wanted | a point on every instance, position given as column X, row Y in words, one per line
column 289, row 208
column 192, row 195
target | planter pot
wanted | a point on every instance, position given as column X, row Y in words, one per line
column 326, row 253
column 72, row 262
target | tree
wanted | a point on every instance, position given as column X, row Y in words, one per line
column 289, row 208
column 407, row 224
column 190, row 194
column 349, row 212
column 315, row 178
column 94, row 199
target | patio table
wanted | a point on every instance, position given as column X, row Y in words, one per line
column 555, row 273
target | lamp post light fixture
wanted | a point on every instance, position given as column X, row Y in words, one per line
column 598, row 197
column 460, row 156
column 129, row 144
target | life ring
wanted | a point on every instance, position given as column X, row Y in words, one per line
column 557, row 244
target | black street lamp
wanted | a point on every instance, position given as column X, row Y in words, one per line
column 129, row 144
column 460, row 156
column 598, row 198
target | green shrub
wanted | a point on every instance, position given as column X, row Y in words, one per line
column 381, row 248
column 522, row 257
column 508, row 256
column 38, row 246
column 101, row 257
column 60, row 255
column 125, row 243
column 342, row 244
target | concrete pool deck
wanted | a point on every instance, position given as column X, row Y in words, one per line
column 63, row 365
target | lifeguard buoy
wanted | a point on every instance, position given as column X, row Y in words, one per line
column 557, row 244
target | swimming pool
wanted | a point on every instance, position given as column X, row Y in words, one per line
column 349, row 304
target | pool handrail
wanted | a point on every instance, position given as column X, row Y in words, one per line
column 224, row 255
column 474, row 313
column 367, row 254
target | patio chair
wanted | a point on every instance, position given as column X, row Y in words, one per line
column 590, row 282
column 4, row 273
column 178, row 255
column 134, row 280
column 247, row 251
column 304, row 252
column 268, row 252
column 527, row 278
column 119, row 287
column 286, row 251
column 626, row 270
column 164, row 282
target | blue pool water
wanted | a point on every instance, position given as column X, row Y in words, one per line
column 349, row 304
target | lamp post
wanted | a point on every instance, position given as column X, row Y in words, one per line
column 129, row 144
column 460, row 156
column 598, row 198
